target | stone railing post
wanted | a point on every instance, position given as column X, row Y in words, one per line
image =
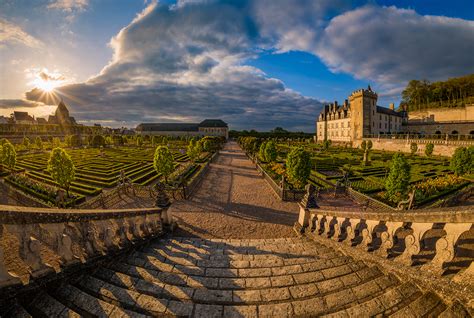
column 308, row 202
column 445, row 246
column 412, row 242
column 387, row 238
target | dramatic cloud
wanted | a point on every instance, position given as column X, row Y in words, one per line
column 13, row 34
column 13, row 103
column 69, row 5
column 188, row 61
column 392, row 46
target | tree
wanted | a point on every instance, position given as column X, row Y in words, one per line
column 326, row 144
column 61, row 168
column 163, row 162
column 39, row 143
column 366, row 146
column 398, row 179
column 8, row 155
column 462, row 160
column 192, row 150
column 139, row 141
column 429, row 149
column 98, row 141
column 413, row 148
column 207, row 145
column 261, row 151
column 271, row 151
column 298, row 167
column 26, row 142
column 55, row 142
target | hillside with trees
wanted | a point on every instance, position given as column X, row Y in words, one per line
column 455, row 92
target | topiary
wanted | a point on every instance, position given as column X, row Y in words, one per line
column 298, row 167
column 398, row 179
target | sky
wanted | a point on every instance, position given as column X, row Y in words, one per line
column 257, row 64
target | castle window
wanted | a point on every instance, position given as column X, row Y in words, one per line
column 380, row 125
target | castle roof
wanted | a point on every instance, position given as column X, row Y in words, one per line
column 181, row 126
column 387, row 111
column 22, row 116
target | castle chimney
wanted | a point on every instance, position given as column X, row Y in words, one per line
column 392, row 106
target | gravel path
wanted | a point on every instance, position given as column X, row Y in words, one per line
column 233, row 201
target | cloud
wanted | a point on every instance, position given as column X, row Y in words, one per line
column 392, row 46
column 11, row 33
column 13, row 103
column 69, row 5
column 187, row 61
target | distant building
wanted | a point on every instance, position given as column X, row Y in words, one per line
column 22, row 118
column 357, row 117
column 61, row 116
column 208, row 127
column 360, row 117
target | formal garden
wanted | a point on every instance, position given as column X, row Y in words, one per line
column 85, row 167
column 385, row 176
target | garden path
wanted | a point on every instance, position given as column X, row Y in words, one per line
column 234, row 201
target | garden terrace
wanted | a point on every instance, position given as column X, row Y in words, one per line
column 431, row 177
column 98, row 169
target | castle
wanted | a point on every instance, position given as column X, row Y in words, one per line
column 360, row 117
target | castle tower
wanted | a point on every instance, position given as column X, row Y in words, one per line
column 363, row 104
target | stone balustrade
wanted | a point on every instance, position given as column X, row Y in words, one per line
column 428, row 238
column 35, row 242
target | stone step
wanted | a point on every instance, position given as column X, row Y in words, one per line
column 420, row 307
column 46, row 306
column 17, row 311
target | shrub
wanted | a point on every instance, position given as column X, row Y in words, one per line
column 298, row 167
column 8, row 155
column 461, row 162
column 193, row 151
column 326, row 144
column 139, row 141
column 39, row 143
column 163, row 161
column 270, row 151
column 398, row 179
column 55, row 142
column 61, row 168
column 118, row 140
column 26, row 142
column 261, row 151
column 413, row 148
column 98, row 141
column 429, row 149
column 75, row 141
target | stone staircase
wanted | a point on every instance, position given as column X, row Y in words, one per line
column 233, row 278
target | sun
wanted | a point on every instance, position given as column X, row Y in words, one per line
column 47, row 81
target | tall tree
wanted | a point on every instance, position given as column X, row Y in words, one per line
column 398, row 179
column 298, row 167
column 271, row 151
column 163, row 162
column 61, row 168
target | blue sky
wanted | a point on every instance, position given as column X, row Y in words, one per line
column 257, row 64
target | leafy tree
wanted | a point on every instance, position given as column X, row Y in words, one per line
column 429, row 149
column 98, row 141
column 207, row 145
column 271, row 151
column 298, row 167
column 26, row 142
column 163, row 162
column 8, row 155
column 61, row 168
column 193, row 151
column 326, row 144
column 39, row 143
column 413, row 148
column 118, row 140
column 366, row 146
column 398, row 179
column 462, row 160
column 139, row 141
column 109, row 141
column 56, row 142
column 261, row 151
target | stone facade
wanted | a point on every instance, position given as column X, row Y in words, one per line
column 208, row 127
column 357, row 117
column 360, row 117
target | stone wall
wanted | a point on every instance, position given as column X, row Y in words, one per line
column 441, row 147
column 444, row 114
column 35, row 242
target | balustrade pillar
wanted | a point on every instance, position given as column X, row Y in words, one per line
column 387, row 238
column 367, row 234
column 338, row 229
column 412, row 242
column 351, row 231
column 445, row 246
